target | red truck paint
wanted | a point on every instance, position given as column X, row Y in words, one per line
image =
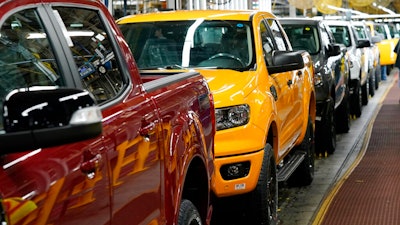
column 155, row 151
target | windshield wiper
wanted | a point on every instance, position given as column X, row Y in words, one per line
column 167, row 67
column 175, row 66
column 222, row 68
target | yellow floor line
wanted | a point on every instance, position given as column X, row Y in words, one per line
column 328, row 199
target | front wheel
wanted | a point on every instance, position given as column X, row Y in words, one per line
column 304, row 174
column 377, row 75
column 342, row 114
column 371, row 81
column 188, row 214
column 263, row 201
column 328, row 130
column 356, row 98
column 365, row 92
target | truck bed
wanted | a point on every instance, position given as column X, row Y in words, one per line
column 153, row 80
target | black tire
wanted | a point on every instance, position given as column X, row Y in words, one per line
column 356, row 99
column 365, row 92
column 263, row 201
column 377, row 76
column 188, row 214
column 304, row 174
column 371, row 81
column 325, row 131
column 342, row 115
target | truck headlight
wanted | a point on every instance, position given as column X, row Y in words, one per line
column 233, row 116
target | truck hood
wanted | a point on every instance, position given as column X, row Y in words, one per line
column 229, row 87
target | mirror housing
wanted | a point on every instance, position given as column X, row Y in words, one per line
column 39, row 117
column 376, row 39
column 286, row 61
column 363, row 43
column 334, row 49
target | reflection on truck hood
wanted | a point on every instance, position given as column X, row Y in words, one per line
column 231, row 83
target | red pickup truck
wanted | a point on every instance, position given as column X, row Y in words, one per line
column 84, row 137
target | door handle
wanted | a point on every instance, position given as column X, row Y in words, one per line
column 146, row 130
column 289, row 83
column 91, row 166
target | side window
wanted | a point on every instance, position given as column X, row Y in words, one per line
column 278, row 36
column 341, row 35
column 360, row 32
column 268, row 46
column 92, row 51
column 26, row 56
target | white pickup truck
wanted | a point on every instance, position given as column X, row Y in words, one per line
column 343, row 32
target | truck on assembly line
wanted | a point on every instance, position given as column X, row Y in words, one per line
column 84, row 137
column 332, row 70
column 263, row 92
column 359, row 79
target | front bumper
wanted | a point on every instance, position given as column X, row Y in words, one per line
column 223, row 187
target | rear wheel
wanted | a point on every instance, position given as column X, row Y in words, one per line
column 342, row 115
column 263, row 201
column 188, row 214
column 304, row 174
column 325, row 131
column 356, row 98
column 365, row 92
column 371, row 81
column 377, row 75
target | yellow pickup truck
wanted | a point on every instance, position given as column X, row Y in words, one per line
column 263, row 92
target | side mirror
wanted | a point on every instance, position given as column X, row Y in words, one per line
column 39, row 117
column 376, row 39
column 334, row 49
column 363, row 43
column 284, row 61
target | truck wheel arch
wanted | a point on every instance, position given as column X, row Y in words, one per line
column 195, row 187
column 190, row 170
column 272, row 138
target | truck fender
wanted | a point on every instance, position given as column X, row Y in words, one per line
column 186, row 150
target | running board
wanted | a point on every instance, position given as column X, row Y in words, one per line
column 288, row 169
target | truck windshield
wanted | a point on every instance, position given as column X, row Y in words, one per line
column 303, row 37
column 341, row 34
column 191, row 44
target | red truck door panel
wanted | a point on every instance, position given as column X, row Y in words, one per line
column 50, row 185
column 138, row 139
column 47, row 186
column 135, row 164
column 130, row 128
column 85, row 182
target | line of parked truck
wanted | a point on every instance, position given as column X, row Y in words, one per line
column 348, row 58
column 169, row 117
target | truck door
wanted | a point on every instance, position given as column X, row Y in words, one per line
column 287, row 87
column 131, row 125
column 68, row 184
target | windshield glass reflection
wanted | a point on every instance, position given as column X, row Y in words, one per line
column 188, row 44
